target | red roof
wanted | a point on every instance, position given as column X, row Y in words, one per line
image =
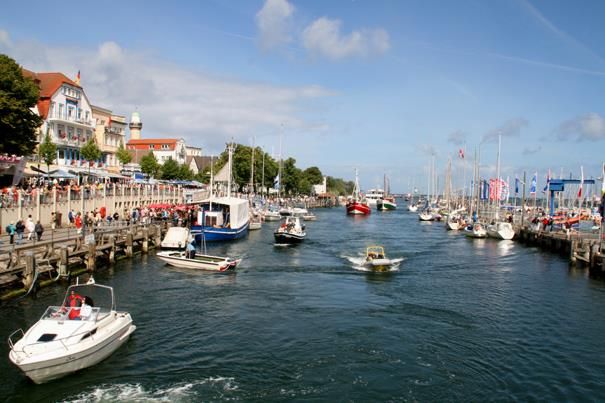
column 143, row 144
column 49, row 83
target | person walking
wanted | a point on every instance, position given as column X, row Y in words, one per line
column 39, row 229
column 30, row 226
column 20, row 229
column 11, row 230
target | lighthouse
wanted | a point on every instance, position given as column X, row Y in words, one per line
column 135, row 126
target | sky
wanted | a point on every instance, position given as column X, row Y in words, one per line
column 382, row 86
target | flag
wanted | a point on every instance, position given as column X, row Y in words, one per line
column 78, row 78
column 547, row 182
column 461, row 153
column 276, row 182
column 516, row 184
column 581, row 182
column 534, row 181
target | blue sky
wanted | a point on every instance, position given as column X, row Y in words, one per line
column 374, row 85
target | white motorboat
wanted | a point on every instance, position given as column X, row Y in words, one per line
column 426, row 216
column 256, row 220
column 200, row 262
column 373, row 195
column 69, row 337
column 309, row 217
column 176, row 238
column 376, row 259
column 501, row 230
column 412, row 208
column 452, row 223
column 271, row 215
column 477, row 230
column 290, row 231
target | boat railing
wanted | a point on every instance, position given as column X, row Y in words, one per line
column 65, row 342
column 11, row 344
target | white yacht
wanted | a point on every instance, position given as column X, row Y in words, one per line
column 69, row 337
column 501, row 230
column 373, row 195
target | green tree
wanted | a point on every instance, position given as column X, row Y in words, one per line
column 18, row 124
column 48, row 151
column 123, row 155
column 313, row 175
column 304, row 186
column 170, row 169
column 185, row 173
column 291, row 176
column 150, row 165
column 339, row 187
column 90, row 151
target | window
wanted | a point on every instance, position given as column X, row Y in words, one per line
column 151, row 147
column 60, row 116
column 52, row 108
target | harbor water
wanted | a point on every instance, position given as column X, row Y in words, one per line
column 459, row 320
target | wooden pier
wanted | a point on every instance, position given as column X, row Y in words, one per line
column 26, row 267
column 582, row 248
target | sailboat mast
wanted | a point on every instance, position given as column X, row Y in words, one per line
column 498, row 182
column 279, row 174
column 230, row 150
column 252, row 169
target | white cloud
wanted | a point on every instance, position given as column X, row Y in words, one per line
column 589, row 127
column 510, row 128
column 457, row 138
column 273, row 22
column 207, row 110
column 323, row 37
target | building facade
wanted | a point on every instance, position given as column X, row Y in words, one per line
column 110, row 132
column 163, row 149
column 67, row 115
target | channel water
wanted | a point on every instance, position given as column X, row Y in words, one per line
column 460, row 320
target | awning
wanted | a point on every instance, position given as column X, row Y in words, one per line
column 61, row 174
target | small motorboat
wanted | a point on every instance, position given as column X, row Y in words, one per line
column 271, row 215
column 477, row 230
column 376, row 259
column 83, row 331
column 200, row 262
column 290, row 231
column 256, row 220
column 309, row 217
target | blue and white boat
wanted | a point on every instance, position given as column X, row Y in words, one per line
column 222, row 219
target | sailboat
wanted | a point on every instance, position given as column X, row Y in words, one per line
column 222, row 218
column 356, row 203
column 386, row 202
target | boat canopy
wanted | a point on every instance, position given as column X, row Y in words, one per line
column 238, row 209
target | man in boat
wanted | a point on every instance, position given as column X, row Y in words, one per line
column 190, row 253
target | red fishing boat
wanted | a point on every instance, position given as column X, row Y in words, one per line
column 356, row 203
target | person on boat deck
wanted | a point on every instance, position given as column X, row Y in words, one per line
column 75, row 301
column 85, row 310
column 190, row 250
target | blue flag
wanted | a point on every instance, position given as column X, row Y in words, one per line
column 516, row 185
column 276, row 182
column 534, row 182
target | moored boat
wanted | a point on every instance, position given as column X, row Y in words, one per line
column 222, row 219
column 80, row 333
column 477, row 230
column 200, row 262
column 501, row 230
column 176, row 238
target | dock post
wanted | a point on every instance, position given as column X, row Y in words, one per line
column 145, row 240
column 64, row 260
column 28, row 274
column 129, row 242
column 112, row 251
column 157, row 235
column 91, row 257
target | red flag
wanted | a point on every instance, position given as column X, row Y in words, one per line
column 461, row 153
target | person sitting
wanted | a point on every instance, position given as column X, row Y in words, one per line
column 85, row 309
column 74, row 301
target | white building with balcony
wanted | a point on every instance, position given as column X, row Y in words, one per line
column 67, row 115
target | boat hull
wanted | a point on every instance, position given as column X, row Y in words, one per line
column 385, row 205
column 75, row 358
column 212, row 234
column 356, row 208
column 200, row 262
column 288, row 238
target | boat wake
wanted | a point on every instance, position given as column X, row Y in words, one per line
column 180, row 392
column 358, row 261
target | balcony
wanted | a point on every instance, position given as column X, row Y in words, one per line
column 63, row 117
column 114, row 130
